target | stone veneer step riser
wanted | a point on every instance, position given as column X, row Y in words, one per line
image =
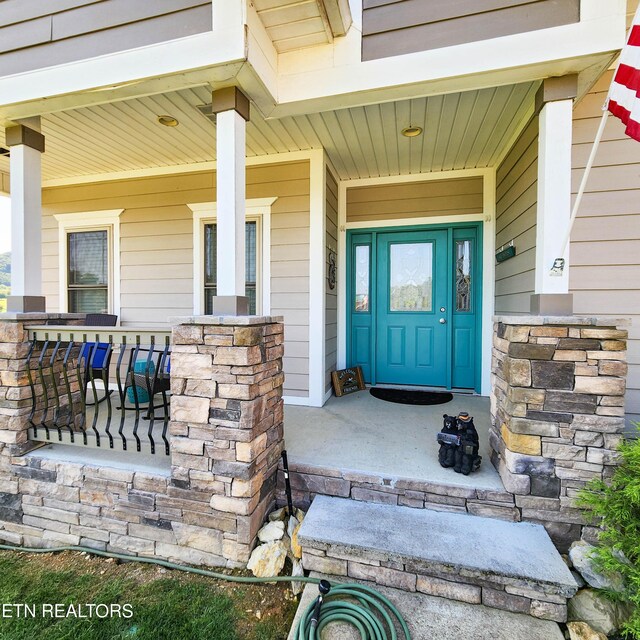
column 543, row 597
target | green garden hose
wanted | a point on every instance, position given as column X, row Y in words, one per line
column 352, row 604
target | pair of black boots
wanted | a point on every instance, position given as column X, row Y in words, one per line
column 459, row 444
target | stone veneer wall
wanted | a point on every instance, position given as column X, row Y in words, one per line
column 557, row 408
column 226, row 438
column 307, row 481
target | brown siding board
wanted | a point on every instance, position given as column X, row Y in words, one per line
column 105, row 15
column 392, row 16
column 516, row 193
column 15, row 11
column 410, row 26
column 416, row 199
column 331, row 299
column 25, row 34
column 47, row 52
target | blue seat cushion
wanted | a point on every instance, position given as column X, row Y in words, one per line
column 99, row 354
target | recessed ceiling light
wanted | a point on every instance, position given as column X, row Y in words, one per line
column 168, row 121
column 411, row 132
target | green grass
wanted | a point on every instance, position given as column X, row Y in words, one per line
column 3, row 305
column 166, row 605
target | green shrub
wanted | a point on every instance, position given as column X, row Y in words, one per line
column 615, row 506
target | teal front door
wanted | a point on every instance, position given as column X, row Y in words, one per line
column 414, row 305
column 411, row 331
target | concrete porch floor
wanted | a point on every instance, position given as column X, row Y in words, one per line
column 361, row 433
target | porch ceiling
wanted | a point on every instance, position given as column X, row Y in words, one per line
column 295, row 24
column 461, row 131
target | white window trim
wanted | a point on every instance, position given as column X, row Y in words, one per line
column 85, row 221
column 256, row 209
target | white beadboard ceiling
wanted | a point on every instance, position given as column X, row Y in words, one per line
column 461, row 131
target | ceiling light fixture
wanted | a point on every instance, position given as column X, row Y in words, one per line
column 411, row 132
column 168, row 121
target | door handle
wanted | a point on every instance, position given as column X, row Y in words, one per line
column 443, row 321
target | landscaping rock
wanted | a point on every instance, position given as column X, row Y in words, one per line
column 292, row 523
column 278, row 514
column 598, row 612
column 581, row 557
column 582, row 631
column 267, row 560
column 295, row 545
column 271, row 531
column 578, row 578
column 298, row 570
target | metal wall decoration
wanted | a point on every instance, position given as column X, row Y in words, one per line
column 332, row 270
column 504, row 253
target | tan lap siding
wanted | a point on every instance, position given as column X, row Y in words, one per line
column 516, row 200
column 331, row 295
column 605, row 243
column 156, row 236
column 414, row 200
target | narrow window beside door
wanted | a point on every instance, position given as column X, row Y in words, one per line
column 210, row 266
column 88, row 271
column 463, row 275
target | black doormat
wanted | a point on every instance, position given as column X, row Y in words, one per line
column 407, row 396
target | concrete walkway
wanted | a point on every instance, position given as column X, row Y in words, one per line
column 361, row 433
column 431, row 618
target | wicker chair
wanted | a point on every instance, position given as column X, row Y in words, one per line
column 97, row 355
column 148, row 376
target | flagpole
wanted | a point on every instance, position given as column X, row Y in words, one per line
column 585, row 177
column 558, row 264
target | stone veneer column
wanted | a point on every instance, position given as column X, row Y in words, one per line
column 557, row 408
column 15, row 394
column 227, row 420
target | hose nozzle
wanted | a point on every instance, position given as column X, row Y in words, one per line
column 324, row 587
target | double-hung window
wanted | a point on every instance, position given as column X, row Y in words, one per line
column 89, row 259
column 257, row 255
column 210, row 264
column 88, row 271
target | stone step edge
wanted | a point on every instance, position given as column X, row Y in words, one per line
column 515, row 598
column 445, row 570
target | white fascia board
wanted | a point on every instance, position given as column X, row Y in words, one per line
column 208, row 49
column 321, row 74
column 260, row 77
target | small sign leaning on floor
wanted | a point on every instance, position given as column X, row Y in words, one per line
column 348, row 381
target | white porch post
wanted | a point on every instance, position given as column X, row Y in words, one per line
column 555, row 100
column 26, row 145
column 231, row 107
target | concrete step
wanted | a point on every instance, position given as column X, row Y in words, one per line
column 505, row 565
column 429, row 617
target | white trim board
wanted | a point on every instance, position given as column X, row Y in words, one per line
column 194, row 167
column 317, row 252
column 256, row 209
column 487, row 217
column 84, row 221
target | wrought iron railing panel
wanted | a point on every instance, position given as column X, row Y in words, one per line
column 106, row 388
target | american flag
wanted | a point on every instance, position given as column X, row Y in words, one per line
column 624, row 95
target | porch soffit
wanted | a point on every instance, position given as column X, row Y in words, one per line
column 296, row 24
column 461, row 131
